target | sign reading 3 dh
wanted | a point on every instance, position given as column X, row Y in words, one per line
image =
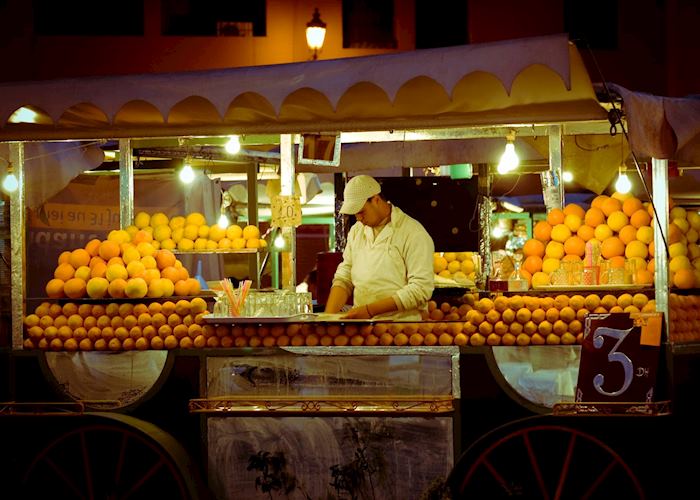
column 619, row 357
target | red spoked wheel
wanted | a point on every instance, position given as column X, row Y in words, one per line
column 543, row 461
column 122, row 459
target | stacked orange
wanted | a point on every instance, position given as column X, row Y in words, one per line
column 120, row 266
column 192, row 233
column 620, row 224
column 117, row 327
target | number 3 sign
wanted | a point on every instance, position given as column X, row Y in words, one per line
column 619, row 357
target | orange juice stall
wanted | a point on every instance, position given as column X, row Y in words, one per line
column 536, row 367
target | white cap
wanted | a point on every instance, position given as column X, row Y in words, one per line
column 357, row 191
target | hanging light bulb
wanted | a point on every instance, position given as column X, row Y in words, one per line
column 279, row 241
column 10, row 184
column 623, row 184
column 233, row 145
column 567, row 176
column 509, row 159
column 223, row 221
column 186, row 172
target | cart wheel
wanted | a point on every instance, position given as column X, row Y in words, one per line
column 102, row 459
column 542, row 461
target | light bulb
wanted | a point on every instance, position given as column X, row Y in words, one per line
column 623, row 184
column 10, row 183
column 187, row 174
column 497, row 232
column 233, row 145
column 509, row 159
column 567, row 176
column 279, row 241
column 223, row 221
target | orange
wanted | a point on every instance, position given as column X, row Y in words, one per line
column 561, row 233
column 684, row 278
column 594, row 216
column 93, row 247
column 555, row 216
column 640, row 218
column 617, row 220
column 79, row 257
column 109, row 249
column 97, row 287
column 165, row 258
column 533, row 247
column 585, row 232
column 542, row 231
column 64, row 257
column 644, row 277
column 554, row 249
column 74, row 288
column 575, row 246
column 617, row 261
column 574, row 209
column 631, row 205
column 141, row 236
column 54, row 288
column 636, row 249
column 597, row 202
column 64, row 271
column 627, row 234
column 611, row 205
column 573, row 222
column 116, row 288
column 611, row 247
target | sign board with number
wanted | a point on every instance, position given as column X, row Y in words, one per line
column 619, row 357
column 286, row 211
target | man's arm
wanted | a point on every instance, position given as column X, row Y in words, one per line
column 337, row 298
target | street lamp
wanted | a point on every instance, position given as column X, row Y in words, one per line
column 315, row 33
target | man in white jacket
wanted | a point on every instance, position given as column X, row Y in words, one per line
column 387, row 264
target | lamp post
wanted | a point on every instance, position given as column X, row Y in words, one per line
column 315, row 33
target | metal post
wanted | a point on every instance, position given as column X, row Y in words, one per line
column 254, row 270
column 289, row 274
column 126, row 183
column 18, row 254
column 659, row 184
column 552, row 185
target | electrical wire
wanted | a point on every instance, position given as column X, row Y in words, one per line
column 615, row 118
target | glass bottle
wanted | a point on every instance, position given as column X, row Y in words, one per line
column 516, row 283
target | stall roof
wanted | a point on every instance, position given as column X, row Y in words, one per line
column 526, row 81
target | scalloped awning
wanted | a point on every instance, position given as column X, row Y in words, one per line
column 534, row 80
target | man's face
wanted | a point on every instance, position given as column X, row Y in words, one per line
column 370, row 215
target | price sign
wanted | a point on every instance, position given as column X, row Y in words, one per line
column 619, row 357
column 286, row 211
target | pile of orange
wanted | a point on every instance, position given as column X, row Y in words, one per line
column 192, row 233
column 117, row 326
column 620, row 225
column 120, row 266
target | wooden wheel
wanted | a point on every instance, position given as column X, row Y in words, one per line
column 542, row 461
column 118, row 457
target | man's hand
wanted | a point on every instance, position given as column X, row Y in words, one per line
column 359, row 312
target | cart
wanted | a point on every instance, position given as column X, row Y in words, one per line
column 490, row 440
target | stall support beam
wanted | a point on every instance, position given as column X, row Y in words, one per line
column 287, row 177
column 254, row 270
column 126, row 183
column 485, row 210
column 659, row 184
column 18, row 254
column 552, row 185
